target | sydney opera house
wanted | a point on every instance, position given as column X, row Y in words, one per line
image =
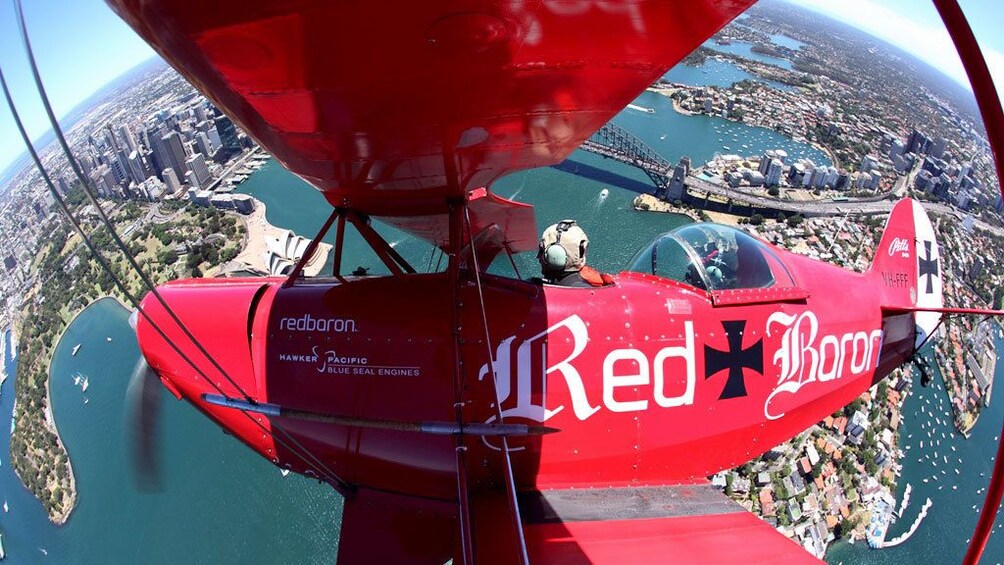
column 283, row 251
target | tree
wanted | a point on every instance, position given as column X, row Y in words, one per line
column 774, row 191
column 756, row 219
column 795, row 220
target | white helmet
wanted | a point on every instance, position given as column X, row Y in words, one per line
column 562, row 247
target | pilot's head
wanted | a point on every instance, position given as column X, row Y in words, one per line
column 562, row 248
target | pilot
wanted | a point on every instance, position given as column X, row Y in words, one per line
column 562, row 256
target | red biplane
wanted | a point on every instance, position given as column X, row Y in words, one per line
column 487, row 419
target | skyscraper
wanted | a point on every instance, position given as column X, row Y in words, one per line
column 128, row 138
column 197, row 164
column 171, row 180
column 136, row 172
column 175, row 150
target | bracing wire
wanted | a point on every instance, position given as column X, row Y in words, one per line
column 75, row 166
column 322, row 470
column 510, row 477
column 146, row 280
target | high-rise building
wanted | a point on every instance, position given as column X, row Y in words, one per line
column 203, row 145
column 228, row 136
column 128, row 138
column 938, row 146
column 171, row 180
column 774, row 169
column 136, row 172
column 868, row 162
column 197, row 164
column 192, row 179
column 175, row 151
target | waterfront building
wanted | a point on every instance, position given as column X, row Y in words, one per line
column 283, row 251
column 243, row 203
column 773, row 176
column 830, row 179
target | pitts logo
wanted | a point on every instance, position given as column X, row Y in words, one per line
column 900, row 245
column 803, row 359
column 527, row 368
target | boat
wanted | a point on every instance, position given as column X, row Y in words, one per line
column 86, row 400
column 641, row 108
column 3, row 554
column 6, row 509
column 76, row 348
column 108, row 338
column 284, row 472
column 84, row 385
column 76, row 380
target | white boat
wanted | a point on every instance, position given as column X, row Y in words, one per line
column 76, row 348
column 284, row 472
column 5, row 507
column 641, row 108
column 76, row 380
column 84, row 385
column 108, row 339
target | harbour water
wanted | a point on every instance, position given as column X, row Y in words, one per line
column 745, row 50
column 220, row 502
column 223, row 504
column 715, row 72
column 943, row 534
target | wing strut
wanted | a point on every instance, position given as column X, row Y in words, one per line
column 517, row 522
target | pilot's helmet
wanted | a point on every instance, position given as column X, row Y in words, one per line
column 562, row 247
column 715, row 275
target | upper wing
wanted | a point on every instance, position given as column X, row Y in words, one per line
column 392, row 108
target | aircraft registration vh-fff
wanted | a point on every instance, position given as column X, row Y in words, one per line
column 488, row 419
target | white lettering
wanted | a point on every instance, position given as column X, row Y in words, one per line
column 612, row 380
column 515, row 382
column 802, row 361
column 687, row 354
column 308, row 323
column 899, row 245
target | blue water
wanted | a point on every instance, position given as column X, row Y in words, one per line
column 942, row 536
column 220, row 501
column 714, row 72
column 785, row 41
column 744, row 49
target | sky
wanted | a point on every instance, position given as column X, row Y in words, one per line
column 80, row 46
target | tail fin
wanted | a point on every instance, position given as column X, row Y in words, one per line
column 907, row 265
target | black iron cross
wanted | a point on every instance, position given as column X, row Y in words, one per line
column 928, row 267
column 735, row 359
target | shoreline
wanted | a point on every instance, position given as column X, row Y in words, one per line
column 258, row 228
column 50, row 416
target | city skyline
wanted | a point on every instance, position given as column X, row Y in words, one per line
column 71, row 76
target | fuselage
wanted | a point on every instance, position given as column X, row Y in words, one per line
column 649, row 380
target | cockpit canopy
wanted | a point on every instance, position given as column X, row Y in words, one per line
column 713, row 257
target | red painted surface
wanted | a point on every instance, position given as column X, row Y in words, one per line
column 622, row 371
column 406, row 111
column 740, row 537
